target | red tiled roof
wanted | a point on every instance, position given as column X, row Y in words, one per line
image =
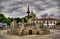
column 46, row 19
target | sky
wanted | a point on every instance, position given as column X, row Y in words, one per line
column 42, row 8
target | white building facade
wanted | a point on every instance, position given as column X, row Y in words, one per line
column 47, row 22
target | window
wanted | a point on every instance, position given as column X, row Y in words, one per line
column 50, row 21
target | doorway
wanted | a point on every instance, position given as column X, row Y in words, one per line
column 37, row 32
column 30, row 32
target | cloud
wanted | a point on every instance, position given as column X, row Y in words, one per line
column 1, row 8
column 44, row 15
column 3, row 0
column 18, row 8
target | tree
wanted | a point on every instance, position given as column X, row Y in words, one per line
column 2, row 15
column 4, row 19
column 8, row 21
column 58, row 23
column 18, row 19
column 25, row 20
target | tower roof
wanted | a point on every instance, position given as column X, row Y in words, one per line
column 28, row 11
column 32, row 11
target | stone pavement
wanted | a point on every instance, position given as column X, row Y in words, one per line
column 54, row 35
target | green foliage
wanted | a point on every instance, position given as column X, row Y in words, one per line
column 18, row 19
column 2, row 15
column 4, row 19
column 9, row 20
column 58, row 23
column 25, row 20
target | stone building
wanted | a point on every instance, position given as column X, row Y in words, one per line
column 30, row 28
column 46, row 22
